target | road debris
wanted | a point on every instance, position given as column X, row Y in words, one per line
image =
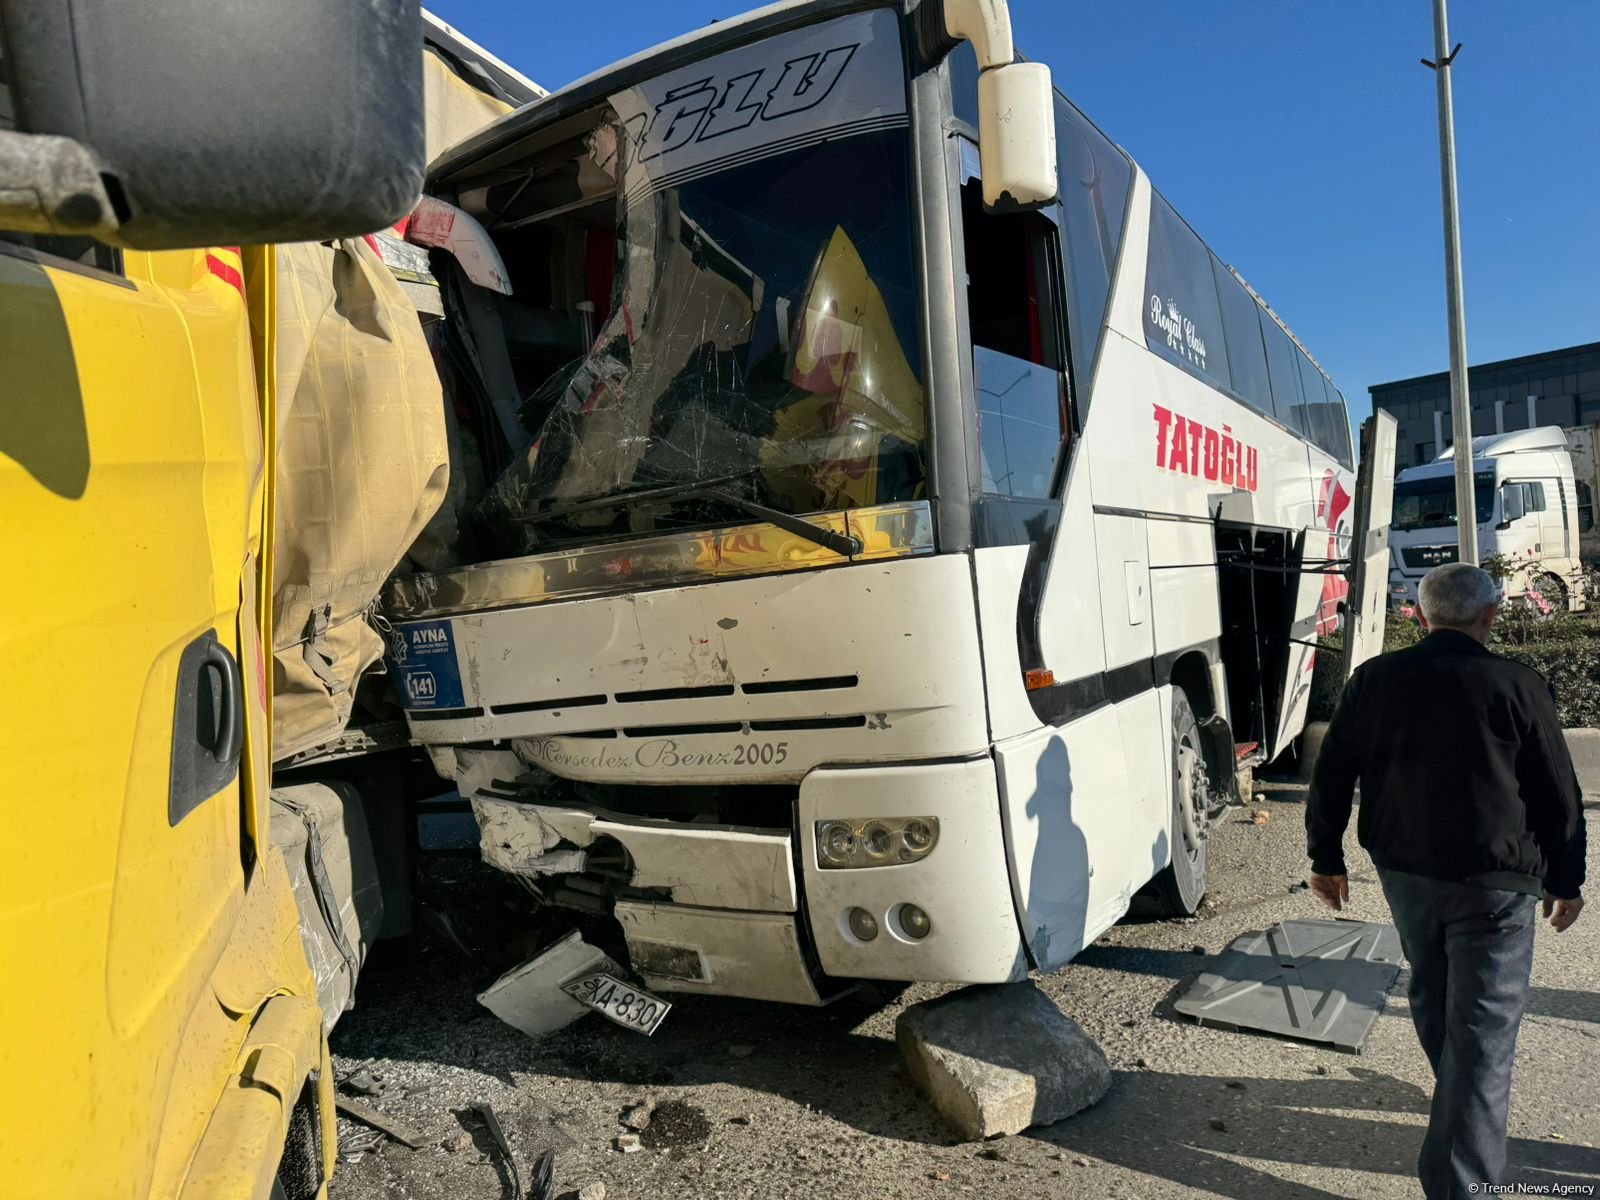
column 1319, row 981
column 592, row 1191
column 1219, row 1125
column 457, row 1144
column 542, row 1185
column 353, row 1147
column 1235, row 1085
column 1260, row 816
column 1000, row 1059
column 503, row 1144
column 628, row 1143
column 382, row 1122
column 637, row 1116
column 530, row 997
column 363, row 1083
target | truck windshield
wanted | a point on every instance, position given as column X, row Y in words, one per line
column 1431, row 503
column 762, row 333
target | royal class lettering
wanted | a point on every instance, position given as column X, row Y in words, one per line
column 1182, row 335
column 709, row 108
column 1186, row 447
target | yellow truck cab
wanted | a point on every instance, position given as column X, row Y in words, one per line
column 160, row 1031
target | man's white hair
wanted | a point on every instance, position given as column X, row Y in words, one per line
column 1454, row 596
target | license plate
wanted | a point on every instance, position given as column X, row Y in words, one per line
column 629, row 1006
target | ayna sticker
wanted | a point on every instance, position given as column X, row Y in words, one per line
column 427, row 675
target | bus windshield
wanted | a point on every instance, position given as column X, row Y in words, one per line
column 1431, row 503
column 762, row 340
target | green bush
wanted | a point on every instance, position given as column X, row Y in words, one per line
column 1565, row 649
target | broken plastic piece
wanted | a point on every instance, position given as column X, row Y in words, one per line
column 446, row 227
column 529, row 997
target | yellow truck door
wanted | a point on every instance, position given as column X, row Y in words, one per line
column 130, row 459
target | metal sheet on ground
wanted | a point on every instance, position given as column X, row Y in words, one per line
column 1319, row 981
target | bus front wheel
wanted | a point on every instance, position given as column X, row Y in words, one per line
column 1182, row 883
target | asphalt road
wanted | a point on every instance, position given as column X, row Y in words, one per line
column 775, row 1101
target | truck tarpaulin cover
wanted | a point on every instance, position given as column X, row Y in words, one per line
column 361, row 440
column 362, row 467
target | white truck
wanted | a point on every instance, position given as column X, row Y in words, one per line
column 1527, row 513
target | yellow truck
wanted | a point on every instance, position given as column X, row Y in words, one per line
column 161, row 1033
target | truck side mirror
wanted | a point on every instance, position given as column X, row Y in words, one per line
column 196, row 123
column 1511, row 504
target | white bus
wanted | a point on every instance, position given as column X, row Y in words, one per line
column 870, row 585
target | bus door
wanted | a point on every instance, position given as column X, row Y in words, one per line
column 1367, row 605
column 1061, row 774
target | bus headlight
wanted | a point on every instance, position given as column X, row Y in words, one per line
column 875, row 841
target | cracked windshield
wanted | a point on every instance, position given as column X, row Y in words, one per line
column 759, row 343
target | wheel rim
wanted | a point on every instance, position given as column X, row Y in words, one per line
column 1193, row 795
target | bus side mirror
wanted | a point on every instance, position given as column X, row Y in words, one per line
column 1017, row 137
column 196, row 123
column 1511, row 506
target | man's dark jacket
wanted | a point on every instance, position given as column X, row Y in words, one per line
column 1463, row 769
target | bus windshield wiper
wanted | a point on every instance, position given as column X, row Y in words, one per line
column 847, row 545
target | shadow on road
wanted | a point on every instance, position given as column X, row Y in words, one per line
column 1162, row 1125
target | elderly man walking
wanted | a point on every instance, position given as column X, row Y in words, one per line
column 1471, row 811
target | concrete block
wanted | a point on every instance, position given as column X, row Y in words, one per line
column 1584, row 745
column 1000, row 1058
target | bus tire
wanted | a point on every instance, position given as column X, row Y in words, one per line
column 1181, row 885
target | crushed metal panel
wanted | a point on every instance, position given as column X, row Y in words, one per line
column 1320, row 981
column 709, row 866
column 706, row 866
column 719, row 953
column 530, row 998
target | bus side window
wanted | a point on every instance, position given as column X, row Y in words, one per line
column 1182, row 312
column 1585, row 507
column 1016, row 346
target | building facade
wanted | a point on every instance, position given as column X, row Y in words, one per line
column 1556, row 387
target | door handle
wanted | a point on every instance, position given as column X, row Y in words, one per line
column 231, row 686
column 207, row 725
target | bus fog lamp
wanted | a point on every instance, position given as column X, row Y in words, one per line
column 844, row 842
column 862, row 923
column 914, row 923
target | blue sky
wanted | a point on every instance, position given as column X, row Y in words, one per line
column 1299, row 139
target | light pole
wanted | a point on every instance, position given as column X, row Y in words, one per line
column 1460, row 406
